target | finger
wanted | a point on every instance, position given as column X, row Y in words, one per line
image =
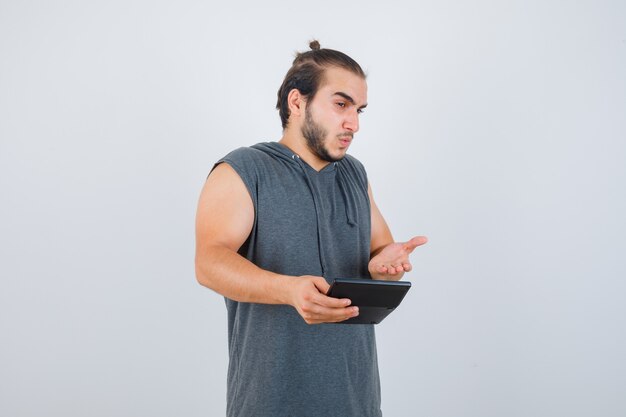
column 414, row 242
column 352, row 313
column 349, row 313
column 331, row 302
column 321, row 314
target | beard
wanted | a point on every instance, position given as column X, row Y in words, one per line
column 315, row 135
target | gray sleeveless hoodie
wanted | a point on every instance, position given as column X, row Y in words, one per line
column 306, row 223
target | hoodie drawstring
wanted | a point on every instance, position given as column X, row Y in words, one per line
column 348, row 202
column 317, row 211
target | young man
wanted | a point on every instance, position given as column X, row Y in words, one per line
column 276, row 220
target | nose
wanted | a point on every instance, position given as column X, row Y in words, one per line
column 351, row 122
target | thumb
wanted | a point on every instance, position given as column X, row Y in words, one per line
column 415, row 242
column 321, row 284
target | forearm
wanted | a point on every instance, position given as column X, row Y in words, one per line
column 233, row 276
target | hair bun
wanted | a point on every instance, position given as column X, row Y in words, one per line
column 314, row 45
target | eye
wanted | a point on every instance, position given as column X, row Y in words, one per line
column 341, row 104
column 360, row 111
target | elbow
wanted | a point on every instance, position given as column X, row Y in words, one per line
column 201, row 275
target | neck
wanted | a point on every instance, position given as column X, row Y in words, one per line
column 297, row 143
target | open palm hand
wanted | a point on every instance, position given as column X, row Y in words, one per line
column 393, row 260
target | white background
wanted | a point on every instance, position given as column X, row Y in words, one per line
column 495, row 128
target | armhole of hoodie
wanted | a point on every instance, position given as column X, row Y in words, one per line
column 244, row 171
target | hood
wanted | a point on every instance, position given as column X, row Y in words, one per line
column 283, row 152
column 276, row 150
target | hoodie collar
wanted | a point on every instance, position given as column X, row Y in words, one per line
column 283, row 152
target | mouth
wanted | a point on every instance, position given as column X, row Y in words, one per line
column 345, row 140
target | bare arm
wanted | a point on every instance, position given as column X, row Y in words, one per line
column 389, row 260
column 381, row 235
column 223, row 223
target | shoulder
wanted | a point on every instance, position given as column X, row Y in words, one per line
column 248, row 162
column 243, row 156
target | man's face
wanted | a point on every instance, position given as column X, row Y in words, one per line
column 332, row 116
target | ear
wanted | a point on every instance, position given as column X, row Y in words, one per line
column 296, row 103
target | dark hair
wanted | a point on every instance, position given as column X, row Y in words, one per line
column 306, row 74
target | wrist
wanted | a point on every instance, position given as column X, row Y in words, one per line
column 284, row 285
column 372, row 271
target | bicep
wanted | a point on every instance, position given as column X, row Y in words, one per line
column 225, row 210
column 381, row 235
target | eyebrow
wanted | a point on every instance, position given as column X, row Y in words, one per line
column 347, row 97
